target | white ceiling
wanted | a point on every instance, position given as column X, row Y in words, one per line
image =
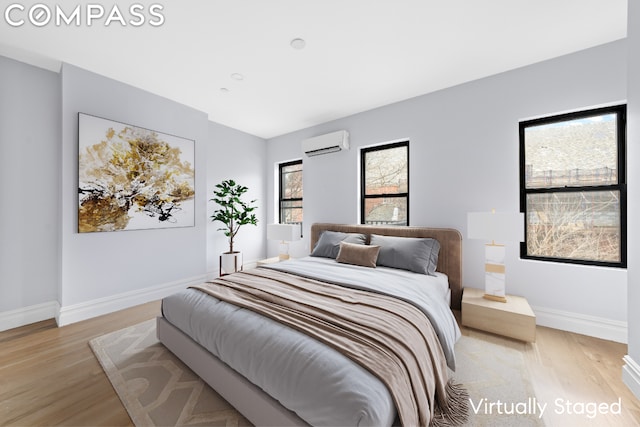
column 360, row 54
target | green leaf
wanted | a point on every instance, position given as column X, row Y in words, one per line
column 234, row 212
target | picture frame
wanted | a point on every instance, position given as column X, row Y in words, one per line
column 133, row 178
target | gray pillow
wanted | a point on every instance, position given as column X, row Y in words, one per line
column 416, row 254
column 328, row 244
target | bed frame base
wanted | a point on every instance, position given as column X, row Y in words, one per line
column 251, row 401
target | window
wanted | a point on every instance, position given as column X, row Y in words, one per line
column 573, row 187
column 385, row 184
column 290, row 195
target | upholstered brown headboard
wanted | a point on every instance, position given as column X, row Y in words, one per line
column 449, row 259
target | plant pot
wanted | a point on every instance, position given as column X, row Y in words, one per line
column 230, row 262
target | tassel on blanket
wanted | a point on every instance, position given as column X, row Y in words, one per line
column 456, row 412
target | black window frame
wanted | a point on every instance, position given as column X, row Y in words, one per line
column 621, row 186
column 363, row 181
column 281, row 197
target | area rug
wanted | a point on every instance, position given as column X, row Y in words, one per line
column 157, row 389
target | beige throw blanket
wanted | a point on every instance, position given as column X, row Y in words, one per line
column 391, row 338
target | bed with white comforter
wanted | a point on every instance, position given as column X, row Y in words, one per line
column 318, row 384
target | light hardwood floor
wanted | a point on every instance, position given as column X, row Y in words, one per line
column 572, row 373
column 49, row 376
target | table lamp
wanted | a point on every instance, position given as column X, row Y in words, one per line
column 285, row 233
column 501, row 227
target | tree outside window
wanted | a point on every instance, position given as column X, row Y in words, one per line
column 573, row 187
column 385, row 184
column 290, row 192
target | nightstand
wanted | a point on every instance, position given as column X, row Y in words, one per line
column 268, row 261
column 514, row 318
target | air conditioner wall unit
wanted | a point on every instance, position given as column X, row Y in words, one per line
column 328, row 143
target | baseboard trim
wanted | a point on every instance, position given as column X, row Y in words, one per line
column 599, row 327
column 27, row 315
column 608, row 329
column 89, row 309
column 631, row 375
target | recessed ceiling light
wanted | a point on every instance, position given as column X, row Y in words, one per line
column 237, row 76
column 298, row 43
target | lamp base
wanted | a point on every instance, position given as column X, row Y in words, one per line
column 494, row 298
column 284, row 251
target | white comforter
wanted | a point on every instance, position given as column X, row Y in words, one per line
column 321, row 385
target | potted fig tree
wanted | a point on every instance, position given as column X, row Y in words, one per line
column 233, row 214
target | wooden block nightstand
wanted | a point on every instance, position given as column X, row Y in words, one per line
column 269, row 261
column 513, row 319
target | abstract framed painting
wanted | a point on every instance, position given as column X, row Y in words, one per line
column 132, row 178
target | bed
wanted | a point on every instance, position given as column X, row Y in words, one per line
column 276, row 375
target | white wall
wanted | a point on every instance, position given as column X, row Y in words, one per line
column 96, row 266
column 236, row 155
column 463, row 158
column 47, row 269
column 631, row 371
column 29, row 191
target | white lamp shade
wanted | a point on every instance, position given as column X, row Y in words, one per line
column 283, row 232
column 496, row 226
